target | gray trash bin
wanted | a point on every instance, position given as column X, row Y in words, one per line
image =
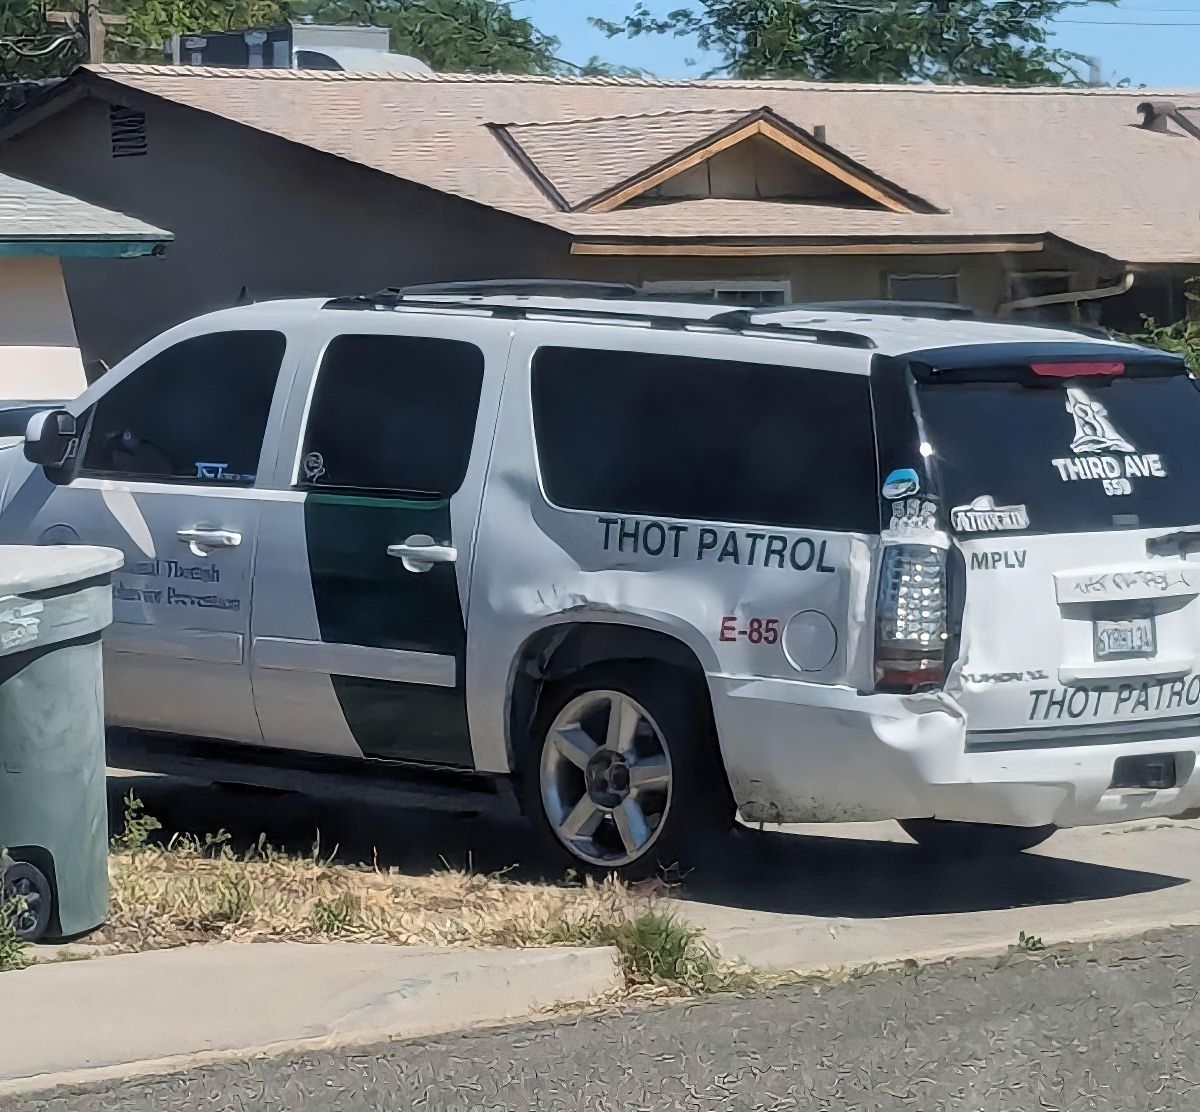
column 54, row 603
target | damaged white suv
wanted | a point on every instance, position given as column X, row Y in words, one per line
column 652, row 562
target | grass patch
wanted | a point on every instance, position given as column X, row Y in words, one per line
column 191, row 889
column 1027, row 944
column 13, row 954
column 656, row 950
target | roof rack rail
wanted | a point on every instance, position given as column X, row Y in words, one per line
column 519, row 287
column 737, row 321
column 935, row 310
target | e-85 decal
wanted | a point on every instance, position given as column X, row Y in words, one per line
column 758, row 631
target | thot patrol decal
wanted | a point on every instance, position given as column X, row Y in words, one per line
column 984, row 516
column 1095, row 440
column 911, row 515
column 1126, row 699
column 743, row 547
column 901, row 484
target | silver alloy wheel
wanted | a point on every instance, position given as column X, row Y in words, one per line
column 606, row 778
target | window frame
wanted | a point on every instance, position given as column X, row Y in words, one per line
column 316, row 364
column 913, row 276
column 751, row 358
column 84, row 407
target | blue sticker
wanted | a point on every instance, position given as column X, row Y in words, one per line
column 901, row 484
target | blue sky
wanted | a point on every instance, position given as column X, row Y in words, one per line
column 1166, row 56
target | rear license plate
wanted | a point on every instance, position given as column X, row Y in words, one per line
column 1124, row 637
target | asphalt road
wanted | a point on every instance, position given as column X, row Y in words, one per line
column 1113, row 1026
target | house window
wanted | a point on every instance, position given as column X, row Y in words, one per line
column 1042, row 283
column 923, row 287
column 127, row 130
column 752, row 292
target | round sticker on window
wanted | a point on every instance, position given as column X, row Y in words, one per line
column 314, row 466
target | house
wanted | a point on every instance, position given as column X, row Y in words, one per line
column 40, row 230
column 1075, row 202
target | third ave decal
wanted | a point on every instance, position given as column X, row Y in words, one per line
column 1096, row 441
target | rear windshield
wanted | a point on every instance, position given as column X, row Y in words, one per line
column 1073, row 455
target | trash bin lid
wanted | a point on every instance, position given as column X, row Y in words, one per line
column 25, row 568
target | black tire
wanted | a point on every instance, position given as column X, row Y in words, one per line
column 973, row 839
column 700, row 811
column 27, row 884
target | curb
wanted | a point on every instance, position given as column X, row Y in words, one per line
column 441, row 991
column 838, row 946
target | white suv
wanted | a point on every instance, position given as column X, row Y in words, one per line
column 650, row 561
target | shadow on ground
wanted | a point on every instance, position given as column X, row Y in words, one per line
column 801, row 874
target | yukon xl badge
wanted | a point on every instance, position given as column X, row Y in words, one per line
column 984, row 516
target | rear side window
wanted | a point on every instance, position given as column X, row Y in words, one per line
column 1076, row 455
column 393, row 415
column 196, row 412
column 707, row 439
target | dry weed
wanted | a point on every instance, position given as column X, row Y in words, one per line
column 191, row 890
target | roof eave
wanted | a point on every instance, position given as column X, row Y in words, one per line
column 80, row 248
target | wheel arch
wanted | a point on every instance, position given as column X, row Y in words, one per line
column 561, row 649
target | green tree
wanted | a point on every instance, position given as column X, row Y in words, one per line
column 150, row 23
column 973, row 41
column 451, row 36
column 471, row 36
column 30, row 47
column 1182, row 337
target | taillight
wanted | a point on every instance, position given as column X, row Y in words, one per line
column 911, row 628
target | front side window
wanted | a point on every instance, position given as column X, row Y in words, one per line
column 196, row 412
column 393, row 415
column 708, row 439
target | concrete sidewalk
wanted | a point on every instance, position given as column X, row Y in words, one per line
column 816, row 898
column 77, row 1022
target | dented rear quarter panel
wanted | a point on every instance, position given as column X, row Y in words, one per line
column 538, row 565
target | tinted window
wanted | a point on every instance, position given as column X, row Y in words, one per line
column 670, row 436
column 196, row 412
column 394, row 414
column 1079, row 456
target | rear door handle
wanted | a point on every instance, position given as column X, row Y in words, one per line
column 200, row 539
column 420, row 553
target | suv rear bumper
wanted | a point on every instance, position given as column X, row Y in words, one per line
column 800, row 752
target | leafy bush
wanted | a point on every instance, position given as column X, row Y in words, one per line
column 1182, row 337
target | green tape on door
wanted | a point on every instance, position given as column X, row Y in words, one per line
column 365, row 597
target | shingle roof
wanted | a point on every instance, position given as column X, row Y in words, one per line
column 1000, row 161
column 32, row 213
column 581, row 158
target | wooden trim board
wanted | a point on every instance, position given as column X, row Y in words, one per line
column 755, row 250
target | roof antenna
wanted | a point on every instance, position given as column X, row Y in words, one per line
column 244, row 298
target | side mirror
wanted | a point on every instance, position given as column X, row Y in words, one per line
column 51, row 439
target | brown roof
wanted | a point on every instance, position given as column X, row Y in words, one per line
column 1072, row 163
column 581, row 158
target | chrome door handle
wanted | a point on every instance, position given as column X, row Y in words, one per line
column 199, row 539
column 420, row 553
